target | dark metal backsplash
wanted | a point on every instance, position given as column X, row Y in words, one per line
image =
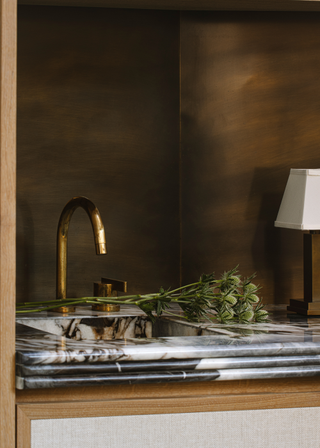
column 250, row 111
column 98, row 116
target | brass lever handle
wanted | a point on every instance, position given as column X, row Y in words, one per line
column 108, row 288
column 117, row 285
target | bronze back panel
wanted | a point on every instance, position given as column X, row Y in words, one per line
column 250, row 112
column 98, row 116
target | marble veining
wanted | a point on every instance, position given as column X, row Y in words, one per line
column 184, row 364
column 94, row 327
column 179, row 351
column 52, row 349
column 132, row 378
column 131, row 322
column 38, row 382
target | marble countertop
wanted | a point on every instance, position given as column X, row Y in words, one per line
column 78, row 353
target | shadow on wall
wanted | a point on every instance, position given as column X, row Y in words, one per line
column 274, row 249
column 24, row 250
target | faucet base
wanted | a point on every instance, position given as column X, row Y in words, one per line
column 106, row 307
column 64, row 309
column 108, row 288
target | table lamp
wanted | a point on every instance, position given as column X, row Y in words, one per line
column 300, row 209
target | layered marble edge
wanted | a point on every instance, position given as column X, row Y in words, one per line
column 38, row 382
column 184, row 364
column 51, row 349
column 285, row 348
column 133, row 323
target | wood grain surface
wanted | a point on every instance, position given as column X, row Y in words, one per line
column 42, row 411
column 245, row 395
column 8, row 19
column 171, row 390
column 23, row 428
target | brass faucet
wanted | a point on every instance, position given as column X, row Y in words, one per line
column 62, row 242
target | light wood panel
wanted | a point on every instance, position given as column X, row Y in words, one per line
column 224, row 5
column 171, row 390
column 146, row 406
column 23, row 428
column 8, row 16
column 214, row 403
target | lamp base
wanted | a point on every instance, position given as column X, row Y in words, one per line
column 305, row 308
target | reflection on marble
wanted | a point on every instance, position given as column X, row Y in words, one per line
column 184, row 364
column 52, row 349
column 111, row 367
column 265, row 373
column 277, row 330
column 132, row 378
column 38, row 382
column 131, row 322
column 82, row 312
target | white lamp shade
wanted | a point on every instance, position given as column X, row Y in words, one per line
column 300, row 206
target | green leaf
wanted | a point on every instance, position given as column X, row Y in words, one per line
column 159, row 308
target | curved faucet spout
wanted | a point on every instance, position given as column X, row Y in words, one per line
column 62, row 238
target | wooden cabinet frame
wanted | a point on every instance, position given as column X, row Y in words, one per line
column 162, row 399
column 300, row 392
column 213, row 5
column 8, row 32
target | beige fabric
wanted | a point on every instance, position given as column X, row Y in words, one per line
column 276, row 428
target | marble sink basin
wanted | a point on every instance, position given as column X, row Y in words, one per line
column 130, row 322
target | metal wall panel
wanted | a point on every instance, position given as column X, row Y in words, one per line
column 250, row 101
column 98, row 116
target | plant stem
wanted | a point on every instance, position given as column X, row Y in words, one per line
column 197, row 300
column 57, row 305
